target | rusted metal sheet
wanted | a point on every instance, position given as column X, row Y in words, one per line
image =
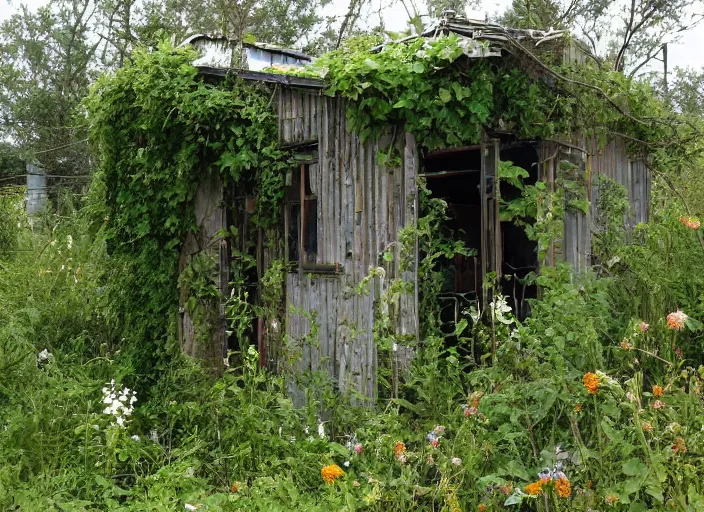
column 361, row 208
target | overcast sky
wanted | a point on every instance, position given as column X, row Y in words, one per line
column 688, row 53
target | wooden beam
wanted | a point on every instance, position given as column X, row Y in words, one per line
column 260, row 76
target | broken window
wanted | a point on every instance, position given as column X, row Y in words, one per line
column 301, row 218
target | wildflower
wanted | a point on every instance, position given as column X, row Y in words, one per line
column 400, row 451
column 358, row 449
column 430, row 460
column 578, row 408
column 456, row 461
column 563, row 488
column 657, row 404
column 321, row 430
column 676, row 320
column 119, row 404
column 535, row 488
column 69, row 242
column 346, row 463
column 643, row 326
column 657, row 391
column 647, row 426
column 439, row 430
column 630, row 396
column 331, row 473
column 434, row 443
column 355, row 484
column 43, row 358
column 235, row 487
column 507, row 489
column 475, row 398
column 626, row 345
column 191, row 507
column 135, row 438
column 481, row 507
column 679, row 446
column 611, row 499
column 691, row 222
column 469, row 411
column 591, row 382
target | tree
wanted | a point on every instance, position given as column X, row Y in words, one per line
column 626, row 34
column 686, row 91
column 47, row 59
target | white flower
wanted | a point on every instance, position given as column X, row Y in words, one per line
column 456, row 461
column 120, row 420
column 346, row 463
column 135, row 438
column 191, row 507
column 69, row 241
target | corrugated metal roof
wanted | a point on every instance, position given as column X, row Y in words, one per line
column 223, row 52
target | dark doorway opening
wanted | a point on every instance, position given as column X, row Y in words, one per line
column 519, row 255
column 454, row 175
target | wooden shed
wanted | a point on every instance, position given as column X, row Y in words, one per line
column 343, row 210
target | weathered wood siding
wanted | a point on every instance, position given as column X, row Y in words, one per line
column 211, row 218
column 299, row 119
column 362, row 206
column 594, row 159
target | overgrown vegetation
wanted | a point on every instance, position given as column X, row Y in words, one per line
column 593, row 403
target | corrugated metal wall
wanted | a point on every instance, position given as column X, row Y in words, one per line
column 361, row 208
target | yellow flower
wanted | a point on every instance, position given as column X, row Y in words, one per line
column 331, row 473
column 535, row 488
column 591, row 382
column 657, row 391
column 563, row 488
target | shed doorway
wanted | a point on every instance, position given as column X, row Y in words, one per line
column 464, row 178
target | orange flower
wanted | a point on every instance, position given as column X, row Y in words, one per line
column 657, row 391
column 679, row 446
column 535, row 488
column 691, row 222
column 563, row 488
column 399, row 448
column 611, row 499
column 481, row 508
column 578, row 408
column 591, row 382
column 626, row 345
column 647, row 426
column 235, row 487
column 331, row 473
column 676, row 320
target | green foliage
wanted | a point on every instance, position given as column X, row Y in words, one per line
column 159, row 129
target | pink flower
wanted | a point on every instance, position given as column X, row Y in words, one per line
column 658, row 404
column 644, row 327
column 676, row 320
column 358, row 448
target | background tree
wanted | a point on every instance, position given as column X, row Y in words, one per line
column 626, row 34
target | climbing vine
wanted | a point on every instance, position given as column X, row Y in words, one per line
column 159, row 129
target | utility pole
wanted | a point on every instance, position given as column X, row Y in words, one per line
column 664, row 63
